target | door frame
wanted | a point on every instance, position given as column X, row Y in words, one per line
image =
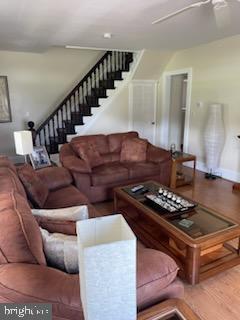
column 166, row 95
column 130, row 115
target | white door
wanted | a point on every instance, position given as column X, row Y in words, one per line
column 143, row 101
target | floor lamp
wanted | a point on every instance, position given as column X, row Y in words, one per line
column 23, row 143
column 236, row 185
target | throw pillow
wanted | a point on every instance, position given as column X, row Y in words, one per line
column 36, row 190
column 20, row 238
column 71, row 214
column 134, row 150
column 88, row 153
column 61, row 251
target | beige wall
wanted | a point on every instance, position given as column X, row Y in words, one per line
column 152, row 64
column 216, row 78
column 37, row 83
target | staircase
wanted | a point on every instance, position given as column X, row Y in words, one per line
column 78, row 104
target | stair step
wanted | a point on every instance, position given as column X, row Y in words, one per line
column 62, row 137
column 107, row 84
column 76, row 118
column 52, row 148
column 85, row 110
column 69, row 127
column 92, row 101
column 99, row 92
column 115, row 75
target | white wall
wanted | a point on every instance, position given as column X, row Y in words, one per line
column 37, row 83
column 216, row 78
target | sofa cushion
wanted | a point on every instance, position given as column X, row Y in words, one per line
column 65, row 197
column 111, row 157
column 100, row 142
column 115, row 140
column 155, row 271
column 133, row 150
column 10, row 181
column 5, row 162
column 142, row 169
column 20, row 238
column 109, row 173
column 36, row 189
column 88, row 153
column 26, row 283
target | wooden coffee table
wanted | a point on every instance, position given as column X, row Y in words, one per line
column 172, row 309
column 201, row 251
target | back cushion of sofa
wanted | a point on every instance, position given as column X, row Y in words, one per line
column 36, row 189
column 10, row 181
column 99, row 141
column 115, row 140
column 20, row 238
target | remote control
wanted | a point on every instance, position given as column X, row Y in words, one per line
column 137, row 188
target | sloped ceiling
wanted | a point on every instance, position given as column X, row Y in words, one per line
column 28, row 25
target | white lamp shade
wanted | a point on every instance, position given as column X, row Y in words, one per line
column 23, row 142
column 107, row 268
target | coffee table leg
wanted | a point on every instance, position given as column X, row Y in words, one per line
column 193, row 265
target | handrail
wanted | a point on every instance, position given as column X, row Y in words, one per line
column 73, row 91
column 53, row 131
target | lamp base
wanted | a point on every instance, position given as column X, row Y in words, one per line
column 26, row 158
column 211, row 176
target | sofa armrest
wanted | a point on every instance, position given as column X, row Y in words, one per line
column 156, row 154
column 63, row 226
column 28, row 283
column 55, row 177
column 76, row 164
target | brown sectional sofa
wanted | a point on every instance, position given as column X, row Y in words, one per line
column 24, row 274
column 97, row 182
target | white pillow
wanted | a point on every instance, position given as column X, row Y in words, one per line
column 61, row 251
column 72, row 213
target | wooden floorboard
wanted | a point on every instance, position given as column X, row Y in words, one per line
column 217, row 298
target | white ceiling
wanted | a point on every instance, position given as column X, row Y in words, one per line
column 28, row 25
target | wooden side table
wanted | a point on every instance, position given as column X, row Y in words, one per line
column 178, row 158
column 172, row 309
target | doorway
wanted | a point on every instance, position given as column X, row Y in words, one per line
column 176, row 109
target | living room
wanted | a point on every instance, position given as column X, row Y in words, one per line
column 46, row 50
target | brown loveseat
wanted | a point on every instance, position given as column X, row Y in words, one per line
column 25, row 276
column 113, row 160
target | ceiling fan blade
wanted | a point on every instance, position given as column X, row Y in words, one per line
column 192, row 6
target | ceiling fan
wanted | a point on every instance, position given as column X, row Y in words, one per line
column 217, row 5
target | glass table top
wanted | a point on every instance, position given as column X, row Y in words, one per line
column 179, row 154
column 196, row 223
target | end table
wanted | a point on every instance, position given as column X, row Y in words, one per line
column 178, row 158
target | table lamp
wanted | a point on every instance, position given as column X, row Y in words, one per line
column 23, row 143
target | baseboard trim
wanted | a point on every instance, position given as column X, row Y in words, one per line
column 224, row 173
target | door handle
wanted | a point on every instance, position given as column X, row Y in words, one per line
column 153, row 122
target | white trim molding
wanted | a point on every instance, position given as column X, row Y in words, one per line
column 221, row 172
column 166, row 94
